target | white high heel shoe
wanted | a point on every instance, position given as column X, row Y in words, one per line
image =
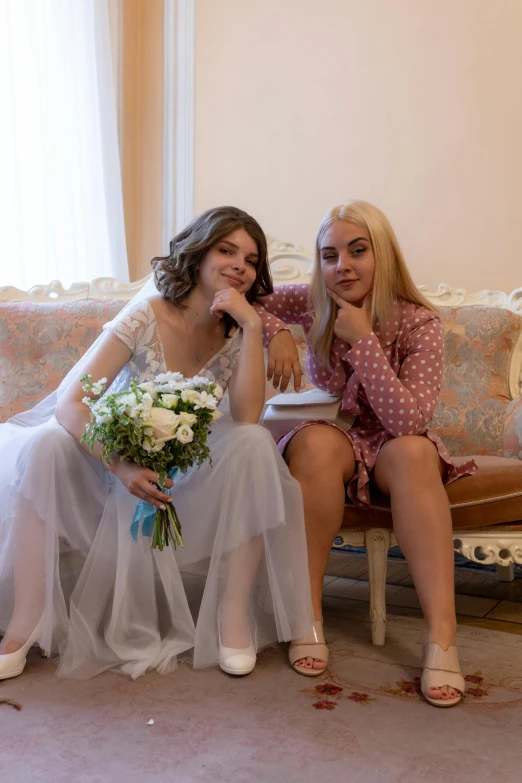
column 13, row 664
column 233, row 661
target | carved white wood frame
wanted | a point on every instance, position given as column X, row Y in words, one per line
column 289, row 264
column 488, row 547
column 484, row 545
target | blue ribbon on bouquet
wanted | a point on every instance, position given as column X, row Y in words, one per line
column 145, row 513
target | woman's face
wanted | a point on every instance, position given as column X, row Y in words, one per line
column 230, row 263
column 347, row 261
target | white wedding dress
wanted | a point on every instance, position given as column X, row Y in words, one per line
column 109, row 602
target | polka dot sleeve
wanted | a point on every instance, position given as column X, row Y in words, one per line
column 405, row 403
column 287, row 305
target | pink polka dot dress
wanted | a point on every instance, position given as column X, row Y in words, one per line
column 390, row 380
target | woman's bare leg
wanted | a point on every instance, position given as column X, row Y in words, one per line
column 321, row 458
column 408, row 469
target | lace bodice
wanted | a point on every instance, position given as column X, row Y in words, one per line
column 138, row 329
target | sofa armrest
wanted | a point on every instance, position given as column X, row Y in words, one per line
column 512, row 441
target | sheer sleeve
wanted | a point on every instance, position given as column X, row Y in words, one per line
column 134, row 326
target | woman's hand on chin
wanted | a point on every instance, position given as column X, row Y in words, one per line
column 230, row 301
column 352, row 323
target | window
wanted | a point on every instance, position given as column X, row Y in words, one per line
column 61, row 206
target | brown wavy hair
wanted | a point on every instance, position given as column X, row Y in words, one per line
column 176, row 274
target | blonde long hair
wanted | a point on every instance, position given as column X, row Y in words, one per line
column 392, row 280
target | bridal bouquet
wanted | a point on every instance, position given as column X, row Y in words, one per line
column 162, row 425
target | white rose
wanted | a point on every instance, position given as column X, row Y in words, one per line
column 189, row 395
column 185, row 434
column 169, row 400
column 206, row 400
column 187, row 418
column 217, row 415
column 163, row 424
column 218, row 392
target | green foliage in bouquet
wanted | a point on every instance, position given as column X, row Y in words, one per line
column 161, row 424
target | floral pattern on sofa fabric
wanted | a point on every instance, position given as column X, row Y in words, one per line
column 513, row 430
column 40, row 342
column 479, row 343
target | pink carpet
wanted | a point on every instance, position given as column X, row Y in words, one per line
column 363, row 721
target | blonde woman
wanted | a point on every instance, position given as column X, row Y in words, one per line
column 373, row 338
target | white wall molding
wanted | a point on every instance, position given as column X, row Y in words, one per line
column 116, row 23
column 178, row 123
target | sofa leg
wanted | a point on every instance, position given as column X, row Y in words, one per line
column 377, row 543
column 506, row 573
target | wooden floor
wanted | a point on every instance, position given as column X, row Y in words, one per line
column 481, row 599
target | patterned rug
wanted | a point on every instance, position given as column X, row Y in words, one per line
column 363, row 721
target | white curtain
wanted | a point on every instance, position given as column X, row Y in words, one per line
column 61, row 203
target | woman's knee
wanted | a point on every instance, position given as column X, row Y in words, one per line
column 409, row 453
column 319, row 448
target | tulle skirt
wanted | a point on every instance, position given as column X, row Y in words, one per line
column 110, row 602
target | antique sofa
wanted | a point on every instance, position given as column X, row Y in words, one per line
column 44, row 331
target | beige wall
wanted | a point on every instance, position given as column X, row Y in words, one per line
column 414, row 105
column 142, row 159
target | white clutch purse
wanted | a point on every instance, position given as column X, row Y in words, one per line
column 286, row 411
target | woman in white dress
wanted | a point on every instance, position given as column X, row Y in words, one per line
column 71, row 576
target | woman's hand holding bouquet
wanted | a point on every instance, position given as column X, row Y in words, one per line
column 149, row 432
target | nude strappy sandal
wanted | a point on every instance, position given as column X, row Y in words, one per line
column 310, row 647
column 441, row 667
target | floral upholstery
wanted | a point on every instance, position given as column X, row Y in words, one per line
column 513, row 430
column 479, row 345
column 40, row 342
